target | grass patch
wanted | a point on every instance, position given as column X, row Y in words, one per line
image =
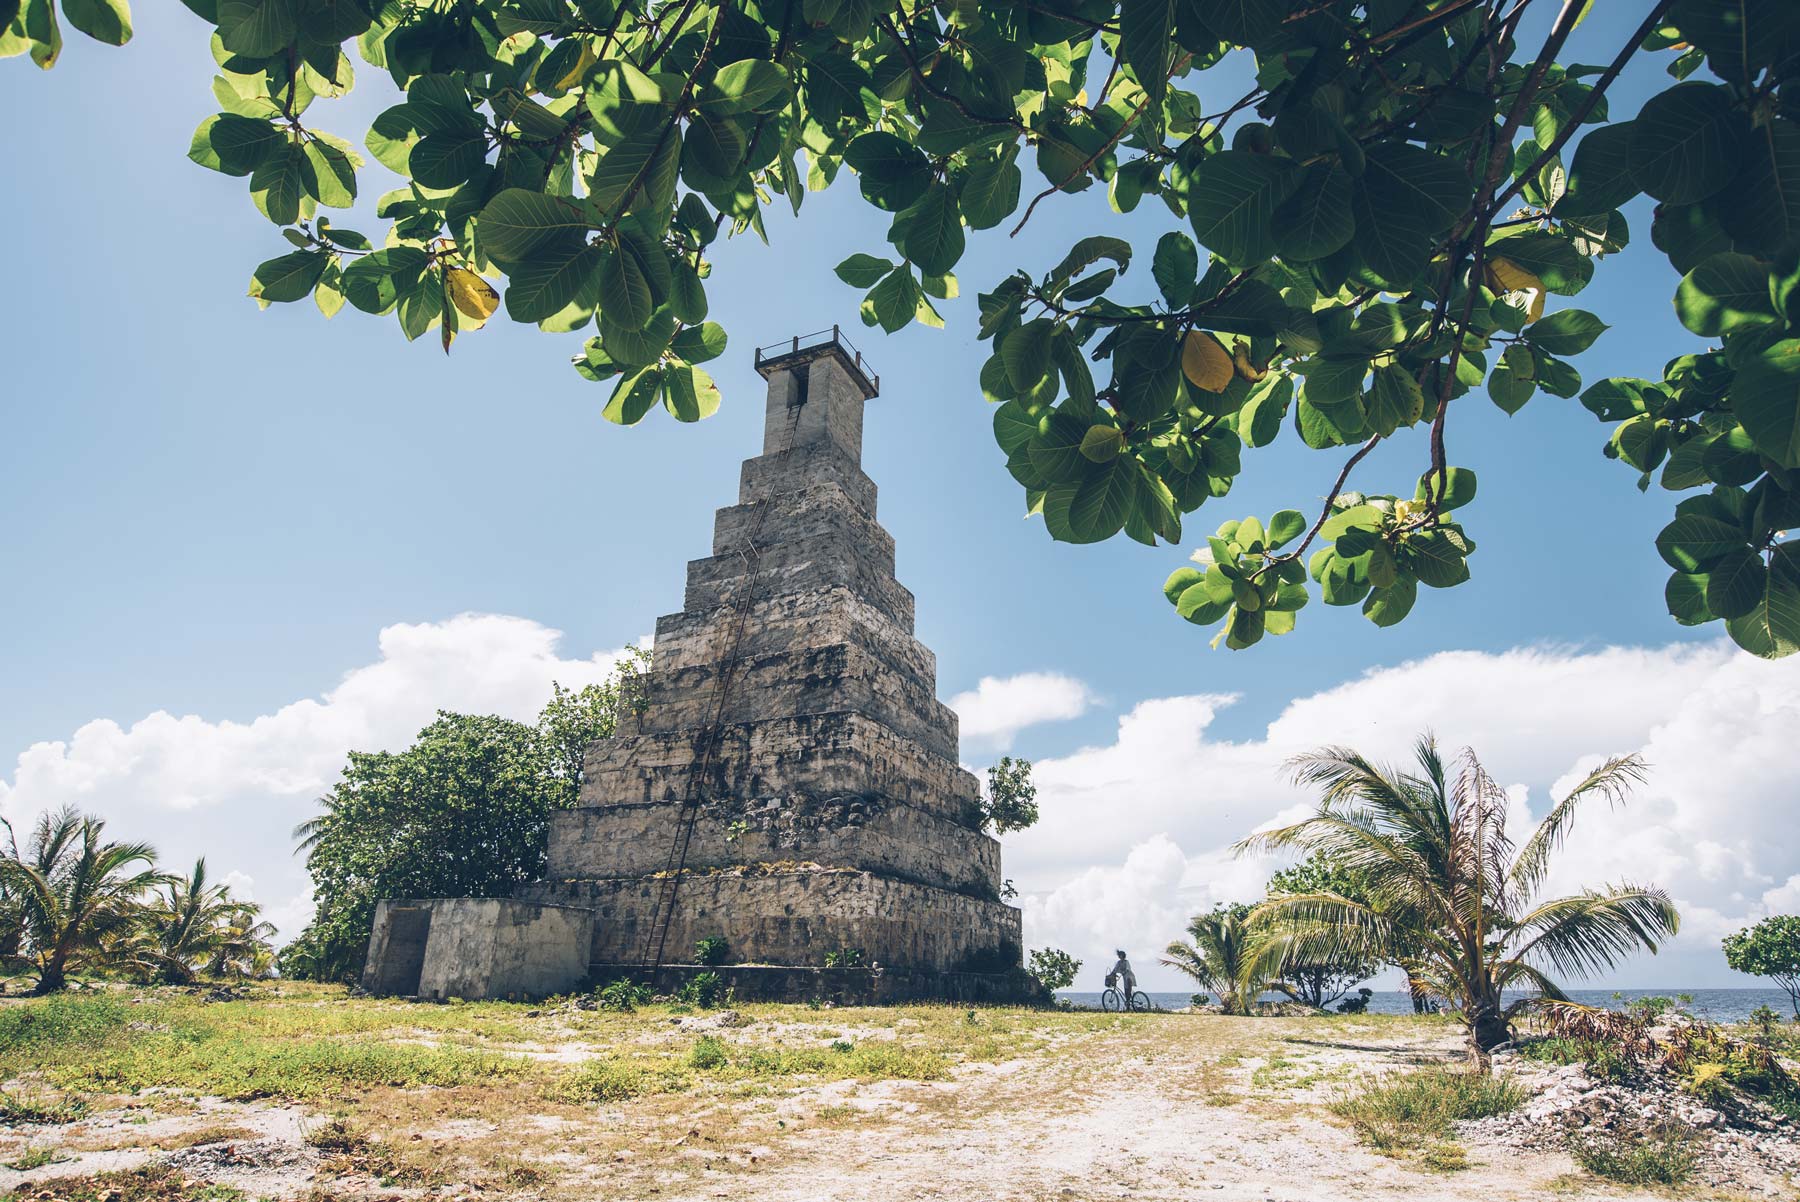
column 1405, row 1113
column 35, row 1158
column 1663, row 1155
column 36, row 1106
column 153, row 1184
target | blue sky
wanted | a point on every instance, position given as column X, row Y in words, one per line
column 213, row 511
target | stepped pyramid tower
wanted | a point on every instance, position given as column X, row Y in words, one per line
column 790, row 783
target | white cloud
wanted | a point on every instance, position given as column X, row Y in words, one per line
column 233, row 791
column 1714, row 825
column 998, row 708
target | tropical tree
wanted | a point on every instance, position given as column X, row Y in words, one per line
column 190, row 923
column 1367, row 236
column 1449, row 895
column 1770, row 949
column 1222, row 954
column 12, row 911
column 78, row 894
column 463, row 812
column 1318, row 982
column 1010, row 803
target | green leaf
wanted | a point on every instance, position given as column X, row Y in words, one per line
column 1459, row 488
column 749, row 85
column 1232, row 202
column 633, row 396
column 988, row 190
column 106, row 21
column 701, row 343
column 1685, row 595
column 1175, row 267
column 1434, row 557
column 1761, row 208
column 1316, row 221
column 1416, row 187
column 1395, row 401
column 1026, row 353
column 1389, row 606
column 1286, row 525
column 863, row 271
column 235, row 145
column 1600, row 177
column 893, row 302
column 282, row 184
column 929, row 231
column 891, row 171
column 1145, row 46
column 1725, row 292
column 624, row 288
column 637, row 174
column 257, row 28
column 1102, row 502
column 1735, row 583
column 550, row 281
column 1244, row 22
column 334, row 173
column 1102, row 443
column 1694, row 542
column 289, row 277
column 518, row 223
column 1772, row 627
column 1566, row 332
column 1087, row 252
column 1766, row 397
column 377, row 282
column 1685, row 142
column 1013, row 426
column 623, row 100
column 689, row 393
column 1395, row 250
column 449, row 159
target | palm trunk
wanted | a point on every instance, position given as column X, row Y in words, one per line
column 50, row 978
column 1488, row 1028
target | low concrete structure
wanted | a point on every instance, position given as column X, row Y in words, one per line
column 477, row 947
column 791, row 782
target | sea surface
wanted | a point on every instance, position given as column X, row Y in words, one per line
column 1716, row 1005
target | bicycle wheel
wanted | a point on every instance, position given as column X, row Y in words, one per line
column 1141, row 1001
column 1112, row 999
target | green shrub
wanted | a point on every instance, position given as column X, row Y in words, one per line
column 37, row 1029
column 623, row 995
column 1660, row 1156
column 848, row 957
column 708, row 1054
column 712, row 951
column 606, row 1081
column 703, row 989
column 1403, row 1113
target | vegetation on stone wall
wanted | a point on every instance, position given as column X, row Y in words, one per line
column 1372, row 232
column 74, row 902
column 1010, row 802
column 463, row 812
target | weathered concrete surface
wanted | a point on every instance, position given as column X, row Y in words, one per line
column 477, row 947
column 794, row 913
column 792, row 713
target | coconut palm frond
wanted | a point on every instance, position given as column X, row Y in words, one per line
column 1589, row 932
column 1612, row 781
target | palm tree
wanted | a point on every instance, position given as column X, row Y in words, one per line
column 1223, row 958
column 12, row 912
column 192, row 923
column 76, row 894
column 1448, row 895
column 242, row 948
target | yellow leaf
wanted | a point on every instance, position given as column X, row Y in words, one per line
column 472, row 295
column 1240, row 359
column 1504, row 275
column 1206, row 362
column 582, row 66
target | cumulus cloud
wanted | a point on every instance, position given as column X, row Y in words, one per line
column 1714, row 825
column 233, row 791
column 999, row 707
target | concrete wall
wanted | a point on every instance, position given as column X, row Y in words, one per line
column 479, row 948
column 857, row 831
column 793, row 914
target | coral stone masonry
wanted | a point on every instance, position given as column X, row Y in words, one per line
column 790, row 783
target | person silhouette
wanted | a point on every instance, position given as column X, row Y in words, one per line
column 1121, row 972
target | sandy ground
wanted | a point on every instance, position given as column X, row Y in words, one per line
column 1178, row 1107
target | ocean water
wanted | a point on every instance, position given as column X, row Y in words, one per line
column 1715, row 1005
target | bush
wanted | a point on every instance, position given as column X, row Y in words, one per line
column 708, row 1053
column 702, row 989
column 1403, row 1113
column 1054, row 968
column 849, row 957
column 1663, row 1155
column 605, row 1081
column 712, row 951
column 623, row 995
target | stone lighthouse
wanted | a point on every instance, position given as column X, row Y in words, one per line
column 790, row 784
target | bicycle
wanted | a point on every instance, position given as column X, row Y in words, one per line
column 1113, row 1000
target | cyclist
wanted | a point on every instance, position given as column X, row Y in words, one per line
column 1121, row 972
